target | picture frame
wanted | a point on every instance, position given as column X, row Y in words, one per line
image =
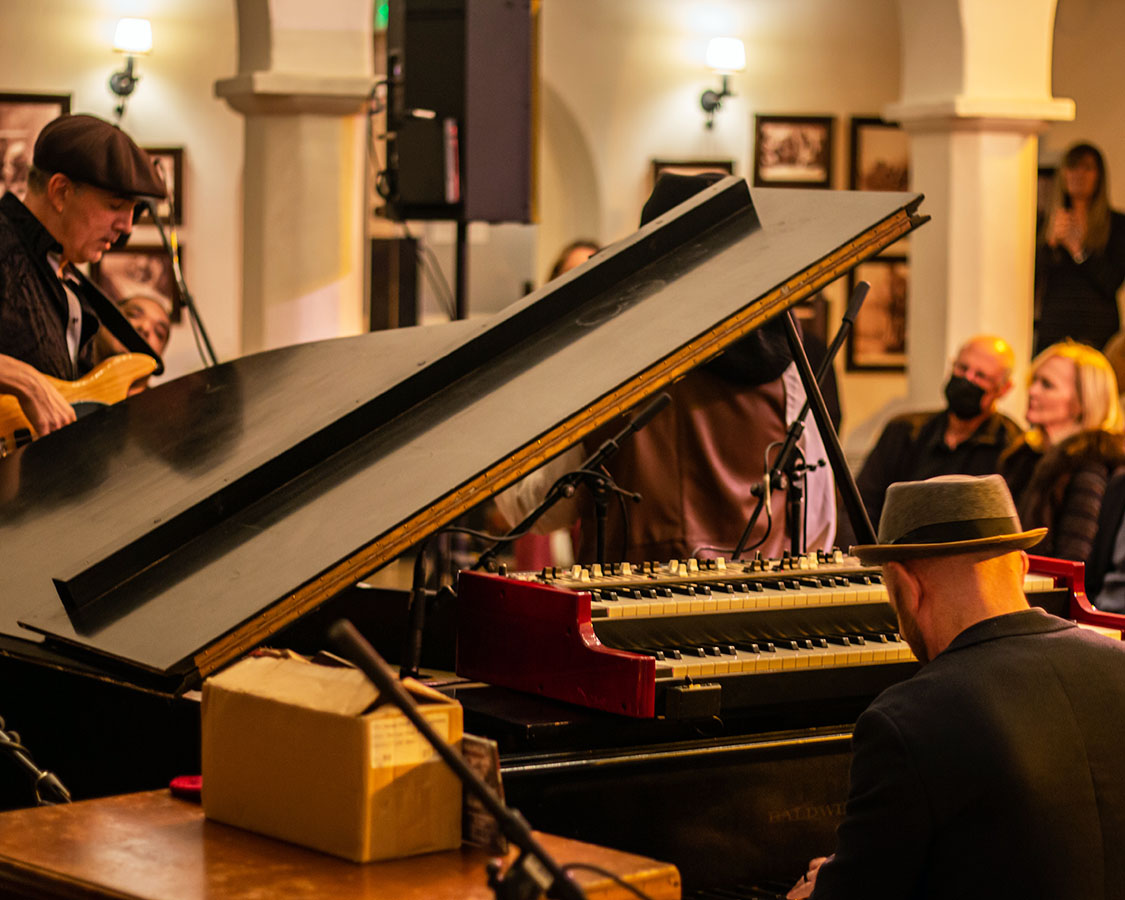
column 690, row 167
column 878, row 339
column 880, row 155
column 793, row 151
column 170, row 164
column 120, row 273
column 22, row 117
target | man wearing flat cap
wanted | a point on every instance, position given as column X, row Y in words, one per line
column 85, row 180
column 998, row 770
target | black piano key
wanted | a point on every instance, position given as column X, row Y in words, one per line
column 713, row 651
column 688, row 589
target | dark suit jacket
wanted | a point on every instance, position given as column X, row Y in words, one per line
column 997, row 771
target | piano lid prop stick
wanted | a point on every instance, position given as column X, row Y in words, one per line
column 845, row 482
column 773, row 475
column 534, row 871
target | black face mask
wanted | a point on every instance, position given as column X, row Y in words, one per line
column 963, row 397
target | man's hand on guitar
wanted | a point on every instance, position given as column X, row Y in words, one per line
column 41, row 402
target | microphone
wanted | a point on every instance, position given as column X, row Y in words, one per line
column 646, row 415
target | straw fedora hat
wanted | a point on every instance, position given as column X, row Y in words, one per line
column 947, row 515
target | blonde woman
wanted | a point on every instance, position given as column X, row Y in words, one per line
column 1080, row 262
column 1058, row 470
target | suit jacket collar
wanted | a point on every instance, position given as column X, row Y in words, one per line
column 1022, row 622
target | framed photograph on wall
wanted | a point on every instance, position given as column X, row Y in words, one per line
column 880, row 153
column 793, row 151
column 170, row 164
column 22, row 117
column 878, row 340
column 122, row 273
column 690, row 167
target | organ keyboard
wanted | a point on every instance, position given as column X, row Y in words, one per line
column 686, row 638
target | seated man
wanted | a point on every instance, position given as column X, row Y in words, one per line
column 996, row 770
column 967, row 437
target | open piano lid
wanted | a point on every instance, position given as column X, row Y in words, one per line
column 166, row 536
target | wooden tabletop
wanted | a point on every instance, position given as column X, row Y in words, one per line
column 152, row 846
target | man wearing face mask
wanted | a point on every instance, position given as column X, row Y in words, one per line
column 965, row 438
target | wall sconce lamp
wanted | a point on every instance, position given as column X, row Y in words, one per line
column 725, row 56
column 132, row 37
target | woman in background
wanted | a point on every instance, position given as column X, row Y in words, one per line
column 1058, row 470
column 1080, row 260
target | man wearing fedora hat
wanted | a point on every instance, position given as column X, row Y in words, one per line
column 85, row 180
column 996, row 771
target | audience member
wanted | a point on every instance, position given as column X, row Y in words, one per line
column 1058, row 470
column 967, row 437
column 149, row 314
column 996, row 770
column 572, row 256
column 1080, row 261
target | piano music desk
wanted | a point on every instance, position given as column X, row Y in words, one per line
column 152, row 846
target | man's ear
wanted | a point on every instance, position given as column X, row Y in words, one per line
column 1007, row 386
column 58, row 186
column 904, row 585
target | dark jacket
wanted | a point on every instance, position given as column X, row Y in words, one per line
column 33, row 305
column 995, row 772
column 1065, row 490
column 1079, row 300
column 912, row 447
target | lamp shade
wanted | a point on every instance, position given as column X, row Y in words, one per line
column 726, row 55
column 133, row 36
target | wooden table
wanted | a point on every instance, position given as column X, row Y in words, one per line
column 152, row 846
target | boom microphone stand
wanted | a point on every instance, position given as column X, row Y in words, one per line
column 171, row 242
column 601, row 484
column 534, row 870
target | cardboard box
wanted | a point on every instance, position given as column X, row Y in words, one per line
column 292, row 749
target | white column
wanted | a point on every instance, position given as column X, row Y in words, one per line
column 976, row 93
column 305, row 70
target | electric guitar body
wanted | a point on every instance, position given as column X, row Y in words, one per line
column 106, row 383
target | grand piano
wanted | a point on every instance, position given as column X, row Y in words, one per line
column 148, row 546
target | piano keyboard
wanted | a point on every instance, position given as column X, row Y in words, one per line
column 677, row 638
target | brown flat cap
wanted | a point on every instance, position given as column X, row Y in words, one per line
column 91, row 150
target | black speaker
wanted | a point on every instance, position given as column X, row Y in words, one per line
column 459, row 116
